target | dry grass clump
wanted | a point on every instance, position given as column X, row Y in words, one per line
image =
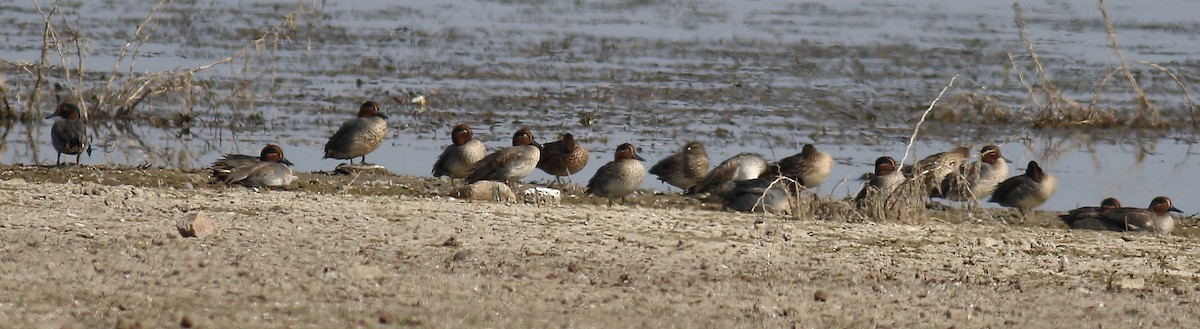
column 116, row 94
column 1054, row 110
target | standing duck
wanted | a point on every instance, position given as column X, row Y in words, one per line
column 810, row 167
column 457, row 159
column 1089, row 217
column 886, row 180
column 509, row 164
column 685, row 168
column 563, row 157
column 739, row 167
column 1026, row 191
column 620, row 177
column 1155, row 219
column 269, row 169
column 976, row 180
column 68, row 134
column 358, row 136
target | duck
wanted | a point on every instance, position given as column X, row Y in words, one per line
column 510, row 164
column 458, row 158
column 269, row 169
column 720, row 179
column 976, row 180
column 359, row 136
column 1026, row 191
column 563, row 157
column 1089, row 217
column 1155, row 219
column 763, row 194
column 618, row 178
column 933, row 169
column 810, row 167
column 882, row 184
column 685, row 168
column 68, row 134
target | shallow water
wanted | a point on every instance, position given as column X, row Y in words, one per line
column 762, row 76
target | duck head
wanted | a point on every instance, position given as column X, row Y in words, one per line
column 524, row 137
column 884, row 165
column 370, row 109
column 272, row 153
column 627, row 151
column 67, row 110
column 1162, row 204
column 461, row 134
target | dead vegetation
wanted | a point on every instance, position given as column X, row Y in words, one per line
column 1049, row 108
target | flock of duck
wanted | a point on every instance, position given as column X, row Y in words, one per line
column 744, row 182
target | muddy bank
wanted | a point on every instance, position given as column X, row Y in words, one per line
column 105, row 254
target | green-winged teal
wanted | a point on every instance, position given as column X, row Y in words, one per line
column 620, row 177
column 758, row 195
column 358, row 136
column 720, row 179
column 509, row 164
column 1089, row 217
column 269, row 169
column 1026, row 191
column 882, row 184
column 457, row 159
column 809, row 167
column 68, row 134
column 685, row 168
column 1155, row 219
column 976, row 180
column 564, row 157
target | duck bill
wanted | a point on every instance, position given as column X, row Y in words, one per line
column 286, row 162
column 52, row 115
column 1006, row 159
column 381, row 115
column 535, row 143
column 639, row 158
column 1175, row 210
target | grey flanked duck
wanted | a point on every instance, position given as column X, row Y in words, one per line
column 1089, row 217
column 1026, row 191
column 1155, row 219
column 975, row 180
column 457, row 159
column 269, row 169
column 358, row 136
column 509, row 164
column 618, row 178
column 68, row 134
column 882, row 184
column 719, row 180
column 759, row 195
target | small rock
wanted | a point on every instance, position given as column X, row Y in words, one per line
column 197, row 225
column 365, row 272
column 1131, row 283
column 485, row 190
column 542, row 195
column 988, row 242
column 347, row 169
column 957, row 315
column 820, row 296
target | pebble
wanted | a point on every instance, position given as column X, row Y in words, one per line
column 196, row 225
column 485, row 190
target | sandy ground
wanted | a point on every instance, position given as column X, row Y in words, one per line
column 78, row 253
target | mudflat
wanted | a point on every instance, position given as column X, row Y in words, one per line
column 98, row 247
